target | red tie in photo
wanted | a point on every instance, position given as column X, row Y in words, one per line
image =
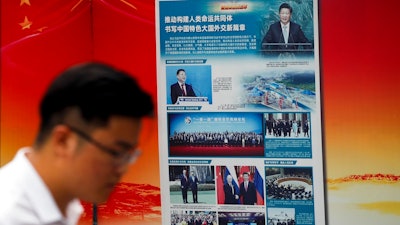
column 183, row 90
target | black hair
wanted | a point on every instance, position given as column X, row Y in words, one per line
column 98, row 91
column 285, row 6
column 179, row 70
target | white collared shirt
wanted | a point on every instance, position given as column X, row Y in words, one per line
column 182, row 86
column 287, row 25
column 283, row 31
column 26, row 200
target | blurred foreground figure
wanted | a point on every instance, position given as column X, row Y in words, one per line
column 88, row 136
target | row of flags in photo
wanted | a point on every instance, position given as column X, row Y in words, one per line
column 234, row 171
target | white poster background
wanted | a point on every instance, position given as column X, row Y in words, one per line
column 240, row 86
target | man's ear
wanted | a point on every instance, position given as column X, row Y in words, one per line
column 63, row 140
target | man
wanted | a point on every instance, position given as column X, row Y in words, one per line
column 270, row 222
column 88, row 135
column 283, row 34
column 231, row 196
column 180, row 88
column 198, row 220
column 248, row 191
column 194, row 181
column 184, row 186
column 306, row 127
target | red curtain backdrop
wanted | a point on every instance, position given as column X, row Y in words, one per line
column 40, row 38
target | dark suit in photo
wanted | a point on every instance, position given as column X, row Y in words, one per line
column 249, row 195
column 176, row 91
column 230, row 193
column 184, row 187
column 193, row 187
column 274, row 39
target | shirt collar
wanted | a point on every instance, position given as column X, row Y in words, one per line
column 41, row 198
column 288, row 25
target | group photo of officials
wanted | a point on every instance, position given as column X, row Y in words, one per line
column 289, row 183
column 283, row 33
column 216, row 139
column 287, row 125
column 215, row 134
column 281, row 216
column 192, row 184
column 183, row 217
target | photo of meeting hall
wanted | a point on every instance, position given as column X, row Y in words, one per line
column 289, row 183
column 241, row 218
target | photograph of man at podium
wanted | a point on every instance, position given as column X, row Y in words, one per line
column 180, row 88
column 285, row 35
column 189, row 85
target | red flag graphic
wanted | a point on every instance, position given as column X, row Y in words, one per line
column 220, row 185
column 23, row 18
column 244, row 169
column 40, row 38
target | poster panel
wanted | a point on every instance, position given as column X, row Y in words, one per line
column 240, row 137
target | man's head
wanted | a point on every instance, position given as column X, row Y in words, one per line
column 285, row 13
column 90, row 123
column 229, row 179
column 246, row 176
column 94, row 91
column 181, row 75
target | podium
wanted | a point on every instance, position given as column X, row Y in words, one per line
column 185, row 100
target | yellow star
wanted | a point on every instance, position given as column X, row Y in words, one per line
column 26, row 24
column 25, row 2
